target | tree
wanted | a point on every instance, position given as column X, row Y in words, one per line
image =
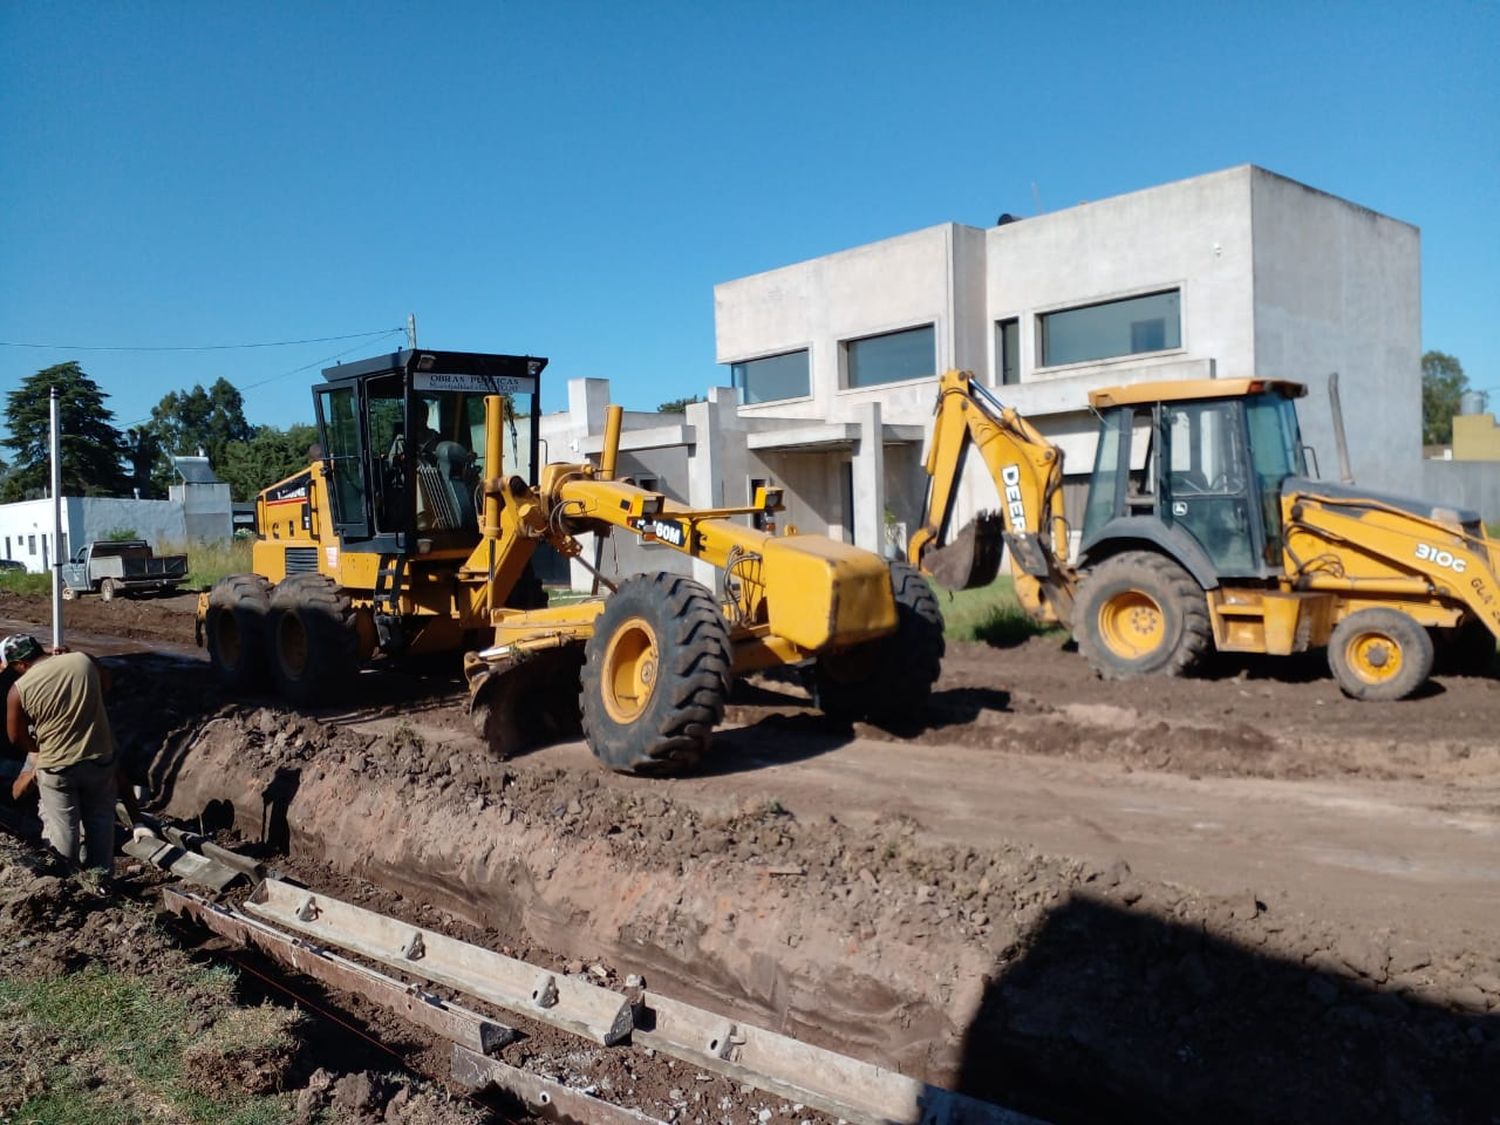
column 91, row 446
column 1443, row 382
column 678, row 405
column 269, row 456
column 185, row 422
column 143, row 455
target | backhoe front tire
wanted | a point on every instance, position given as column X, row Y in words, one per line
column 314, row 639
column 1140, row 614
column 887, row 681
column 655, row 676
column 1379, row 655
column 235, row 630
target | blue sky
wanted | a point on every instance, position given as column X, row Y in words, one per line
column 571, row 179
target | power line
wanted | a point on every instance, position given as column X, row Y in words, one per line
column 195, row 347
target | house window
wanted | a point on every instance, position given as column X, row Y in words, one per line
column 7, row 547
column 1008, row 351
column 1135, row 325
column 771, row 378
column 31, row 544
column 891, row 357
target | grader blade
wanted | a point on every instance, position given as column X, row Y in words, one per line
column 528, row 700
column 973, row 558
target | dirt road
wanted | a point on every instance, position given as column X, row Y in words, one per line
column 1245, row 897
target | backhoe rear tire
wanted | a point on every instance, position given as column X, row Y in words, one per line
column 1380, row 654
column 314, row 639
column 1140, row 614
column 235, row 631
column 655, row 676
column 1468, row 650
column 887, row 681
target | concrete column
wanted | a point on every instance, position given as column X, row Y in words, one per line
column 587, row 399
column 706, row 468
column 869, row 480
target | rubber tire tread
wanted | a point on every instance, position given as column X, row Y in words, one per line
column 1417, row 654
column 693, row 676
column 327, row 617
column 1190, row 640
column 108, row 591
column 1468, row 650
column 247, row 598
column 903, row 666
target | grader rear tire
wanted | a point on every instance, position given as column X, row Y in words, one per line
column 235, row 630
column 314, row 640
column 1140, row 614
column 655, row 675
column 887, row 681
column 1379, row 655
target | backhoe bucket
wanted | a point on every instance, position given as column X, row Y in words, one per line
column 526, row 701
column 973, row 558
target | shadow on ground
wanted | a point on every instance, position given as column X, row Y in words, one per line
column 1120, row 1016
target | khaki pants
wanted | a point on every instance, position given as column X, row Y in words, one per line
column 81, row 796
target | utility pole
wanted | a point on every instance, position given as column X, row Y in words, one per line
column 57, row 540
column 411, row 331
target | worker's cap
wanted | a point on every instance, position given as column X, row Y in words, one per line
column 19, row 646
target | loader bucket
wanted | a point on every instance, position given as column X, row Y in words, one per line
column 527, row 702
column 973, row 558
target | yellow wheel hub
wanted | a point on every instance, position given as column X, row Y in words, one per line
column 1132, row 624
column 631, row 664
column 1374, row 657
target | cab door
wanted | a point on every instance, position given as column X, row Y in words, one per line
column 340, row 413
column 1209, row 485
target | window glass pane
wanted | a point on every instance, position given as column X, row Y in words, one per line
column 771, row 378
column 1008, row 348
column 1101, row 505
column 1138, row 324
column 1208, row 481
column 894, row 356
column 341, row 445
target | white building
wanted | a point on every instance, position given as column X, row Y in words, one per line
column 197, row 511
column 834, row 361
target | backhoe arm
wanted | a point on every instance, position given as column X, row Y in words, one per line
column 1027, row 470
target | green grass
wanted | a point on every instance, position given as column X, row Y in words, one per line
column 20, row 582
column 119, row 1048
column 990, row 614
column 209, row 562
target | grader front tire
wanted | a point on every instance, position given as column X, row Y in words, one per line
column 1140, row 614
column 655, row 675
column 1379, row 655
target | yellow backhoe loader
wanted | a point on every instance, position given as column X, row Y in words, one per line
column 413, row 531
column 1203, row 532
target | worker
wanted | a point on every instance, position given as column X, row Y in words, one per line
column 55, row 714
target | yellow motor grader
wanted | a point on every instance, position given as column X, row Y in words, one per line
column 413, row 532
column 1203, row 532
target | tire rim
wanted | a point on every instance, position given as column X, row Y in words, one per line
column 291, row 646
column 1132, row 624
column 1374, row 657
column 630, row 670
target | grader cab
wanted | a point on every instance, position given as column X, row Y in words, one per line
column 1203, row 532
column 413, row 531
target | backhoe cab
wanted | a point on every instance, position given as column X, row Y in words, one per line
column 1203, row 532
column 413, row 530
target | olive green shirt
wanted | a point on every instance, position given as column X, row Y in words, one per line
column 64, row 700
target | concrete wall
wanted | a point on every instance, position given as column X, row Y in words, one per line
column 1461, row 484
column 1338, row 288
column 1476, row 437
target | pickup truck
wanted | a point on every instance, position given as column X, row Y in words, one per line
column 117, row 568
